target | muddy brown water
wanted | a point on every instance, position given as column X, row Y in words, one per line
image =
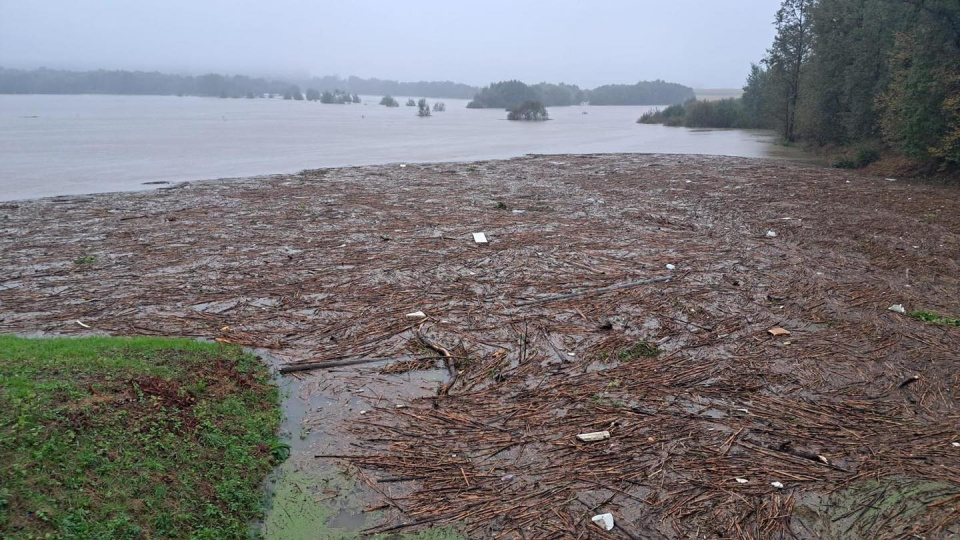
column 60, row 145
column 324, row 266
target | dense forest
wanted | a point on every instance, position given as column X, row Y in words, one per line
column 866, row 76
column 51, row 81
column 509, row 94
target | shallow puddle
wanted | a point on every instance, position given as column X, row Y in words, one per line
column 319, row 497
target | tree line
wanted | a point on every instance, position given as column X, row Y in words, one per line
column 869, row 76
column 54, row 81
column 511, row 94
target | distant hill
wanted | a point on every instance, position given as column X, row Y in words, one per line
column 53, row 81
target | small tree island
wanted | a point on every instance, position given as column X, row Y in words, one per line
column 423, row 108
column 411, row 103
column 531, row 111
column 389, row 101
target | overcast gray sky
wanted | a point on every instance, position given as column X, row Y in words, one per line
column 701, row 43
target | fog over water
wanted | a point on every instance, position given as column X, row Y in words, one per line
column 705, row 44
column 56, row 145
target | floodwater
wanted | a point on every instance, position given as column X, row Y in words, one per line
column 63, row 145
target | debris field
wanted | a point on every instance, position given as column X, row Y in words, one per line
column 758, row 387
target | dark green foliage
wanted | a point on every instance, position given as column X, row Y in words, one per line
column 858, row 157
column 327, row 97
column 723, row 113
column 643, row 93
column 389, row 101
column 411, row 102
column 313, row 94
column 532, row 111
column 423, row 108
column 355, row 98
column 841, row 72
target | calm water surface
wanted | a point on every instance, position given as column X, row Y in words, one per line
column 60, row 145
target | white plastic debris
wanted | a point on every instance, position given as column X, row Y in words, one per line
column 891, row 179
column 741, row 480
column 506, row 478
column 777, row 485
column 83, row 325
column 771, row 234
column 956, row 444
column 603, row 520
column 897, row 308
column 479, row 238
column 671, row 267
column 416, row 315
column 402, row 165
column 594, row 437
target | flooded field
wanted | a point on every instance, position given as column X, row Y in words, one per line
column 724, row 320
column 60, row 145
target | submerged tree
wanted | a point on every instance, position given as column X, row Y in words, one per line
column 313, row 94
column 423, row 108
column 411, row 103
column 529, row 111
column 389, row 101
column 439, row 106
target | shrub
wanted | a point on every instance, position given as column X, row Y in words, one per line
column 411, row 103
column 423, row 108
column 528, row 111
column 389, row 101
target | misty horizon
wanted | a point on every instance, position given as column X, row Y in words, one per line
column 687, row 42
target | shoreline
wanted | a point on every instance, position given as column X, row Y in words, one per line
column 172, row 185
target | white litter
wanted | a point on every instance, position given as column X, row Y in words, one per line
column 603, row 520
column 83, row 325
column 402, row 165
column 506, row 478
column 416, row 315
column 897, row 308
column 891, row 179
column 594, row 437
column 671, row 267
column 741, row 480
column 956, row 444
column 771, row 234
column 479, row 238
column 777, row 485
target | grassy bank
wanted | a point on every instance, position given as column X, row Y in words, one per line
column 132, row 438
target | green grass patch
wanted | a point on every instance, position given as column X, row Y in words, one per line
column 133, row 438
column 934, row 318
column 639, row 349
